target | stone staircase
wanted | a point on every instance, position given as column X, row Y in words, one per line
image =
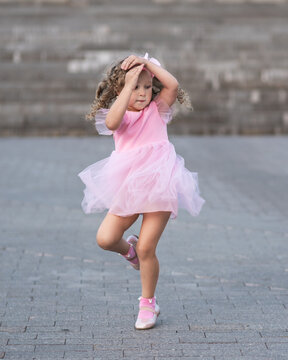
column 231, row 56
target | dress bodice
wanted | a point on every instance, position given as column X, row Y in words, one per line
column 138, row 128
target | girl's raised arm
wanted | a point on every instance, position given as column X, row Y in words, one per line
column 170, row 84
column 117, row 110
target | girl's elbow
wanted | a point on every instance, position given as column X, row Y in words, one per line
column 111, row 127
column 110, row 123
column 174, row 86
column 174, row 89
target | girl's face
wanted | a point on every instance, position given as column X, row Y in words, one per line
column 142, row 94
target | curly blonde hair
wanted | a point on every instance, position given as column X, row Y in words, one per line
column 113, row 83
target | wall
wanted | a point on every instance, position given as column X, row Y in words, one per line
column 231, row 56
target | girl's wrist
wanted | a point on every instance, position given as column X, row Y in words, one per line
column 145, row 61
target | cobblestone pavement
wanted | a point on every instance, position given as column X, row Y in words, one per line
column 223, row 286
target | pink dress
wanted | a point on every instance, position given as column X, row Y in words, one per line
column 144, row 173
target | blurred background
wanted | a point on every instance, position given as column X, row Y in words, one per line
column 230, row 55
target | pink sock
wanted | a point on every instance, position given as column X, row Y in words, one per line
column 130, row 254
column 144, row 302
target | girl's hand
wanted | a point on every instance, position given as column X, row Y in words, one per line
column 132, row 75
column 131, row 61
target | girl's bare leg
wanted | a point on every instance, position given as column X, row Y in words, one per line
column 111, row 230
column 152, row 227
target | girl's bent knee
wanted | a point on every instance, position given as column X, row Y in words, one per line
column 104, row 241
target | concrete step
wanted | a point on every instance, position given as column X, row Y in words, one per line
column 230, row 56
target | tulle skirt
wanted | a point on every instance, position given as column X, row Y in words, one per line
column 146, row 179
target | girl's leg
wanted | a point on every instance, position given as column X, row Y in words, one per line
column 152, row 227
column 111, row 230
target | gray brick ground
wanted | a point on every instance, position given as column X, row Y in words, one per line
column 223, row 284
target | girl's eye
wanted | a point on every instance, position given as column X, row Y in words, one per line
column 147, row 86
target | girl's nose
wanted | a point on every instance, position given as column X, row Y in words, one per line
column 142, row 92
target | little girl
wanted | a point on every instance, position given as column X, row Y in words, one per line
column 143, row 176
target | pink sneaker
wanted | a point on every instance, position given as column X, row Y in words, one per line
column 131, row 256
column 148, row 313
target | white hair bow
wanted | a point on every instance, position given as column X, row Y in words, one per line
column 153, row 61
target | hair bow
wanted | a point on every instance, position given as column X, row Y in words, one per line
column 153, row 61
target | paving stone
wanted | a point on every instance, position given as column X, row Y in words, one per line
column 19, row 355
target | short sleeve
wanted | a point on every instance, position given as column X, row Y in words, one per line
column 100, row 123
column 165, row 111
